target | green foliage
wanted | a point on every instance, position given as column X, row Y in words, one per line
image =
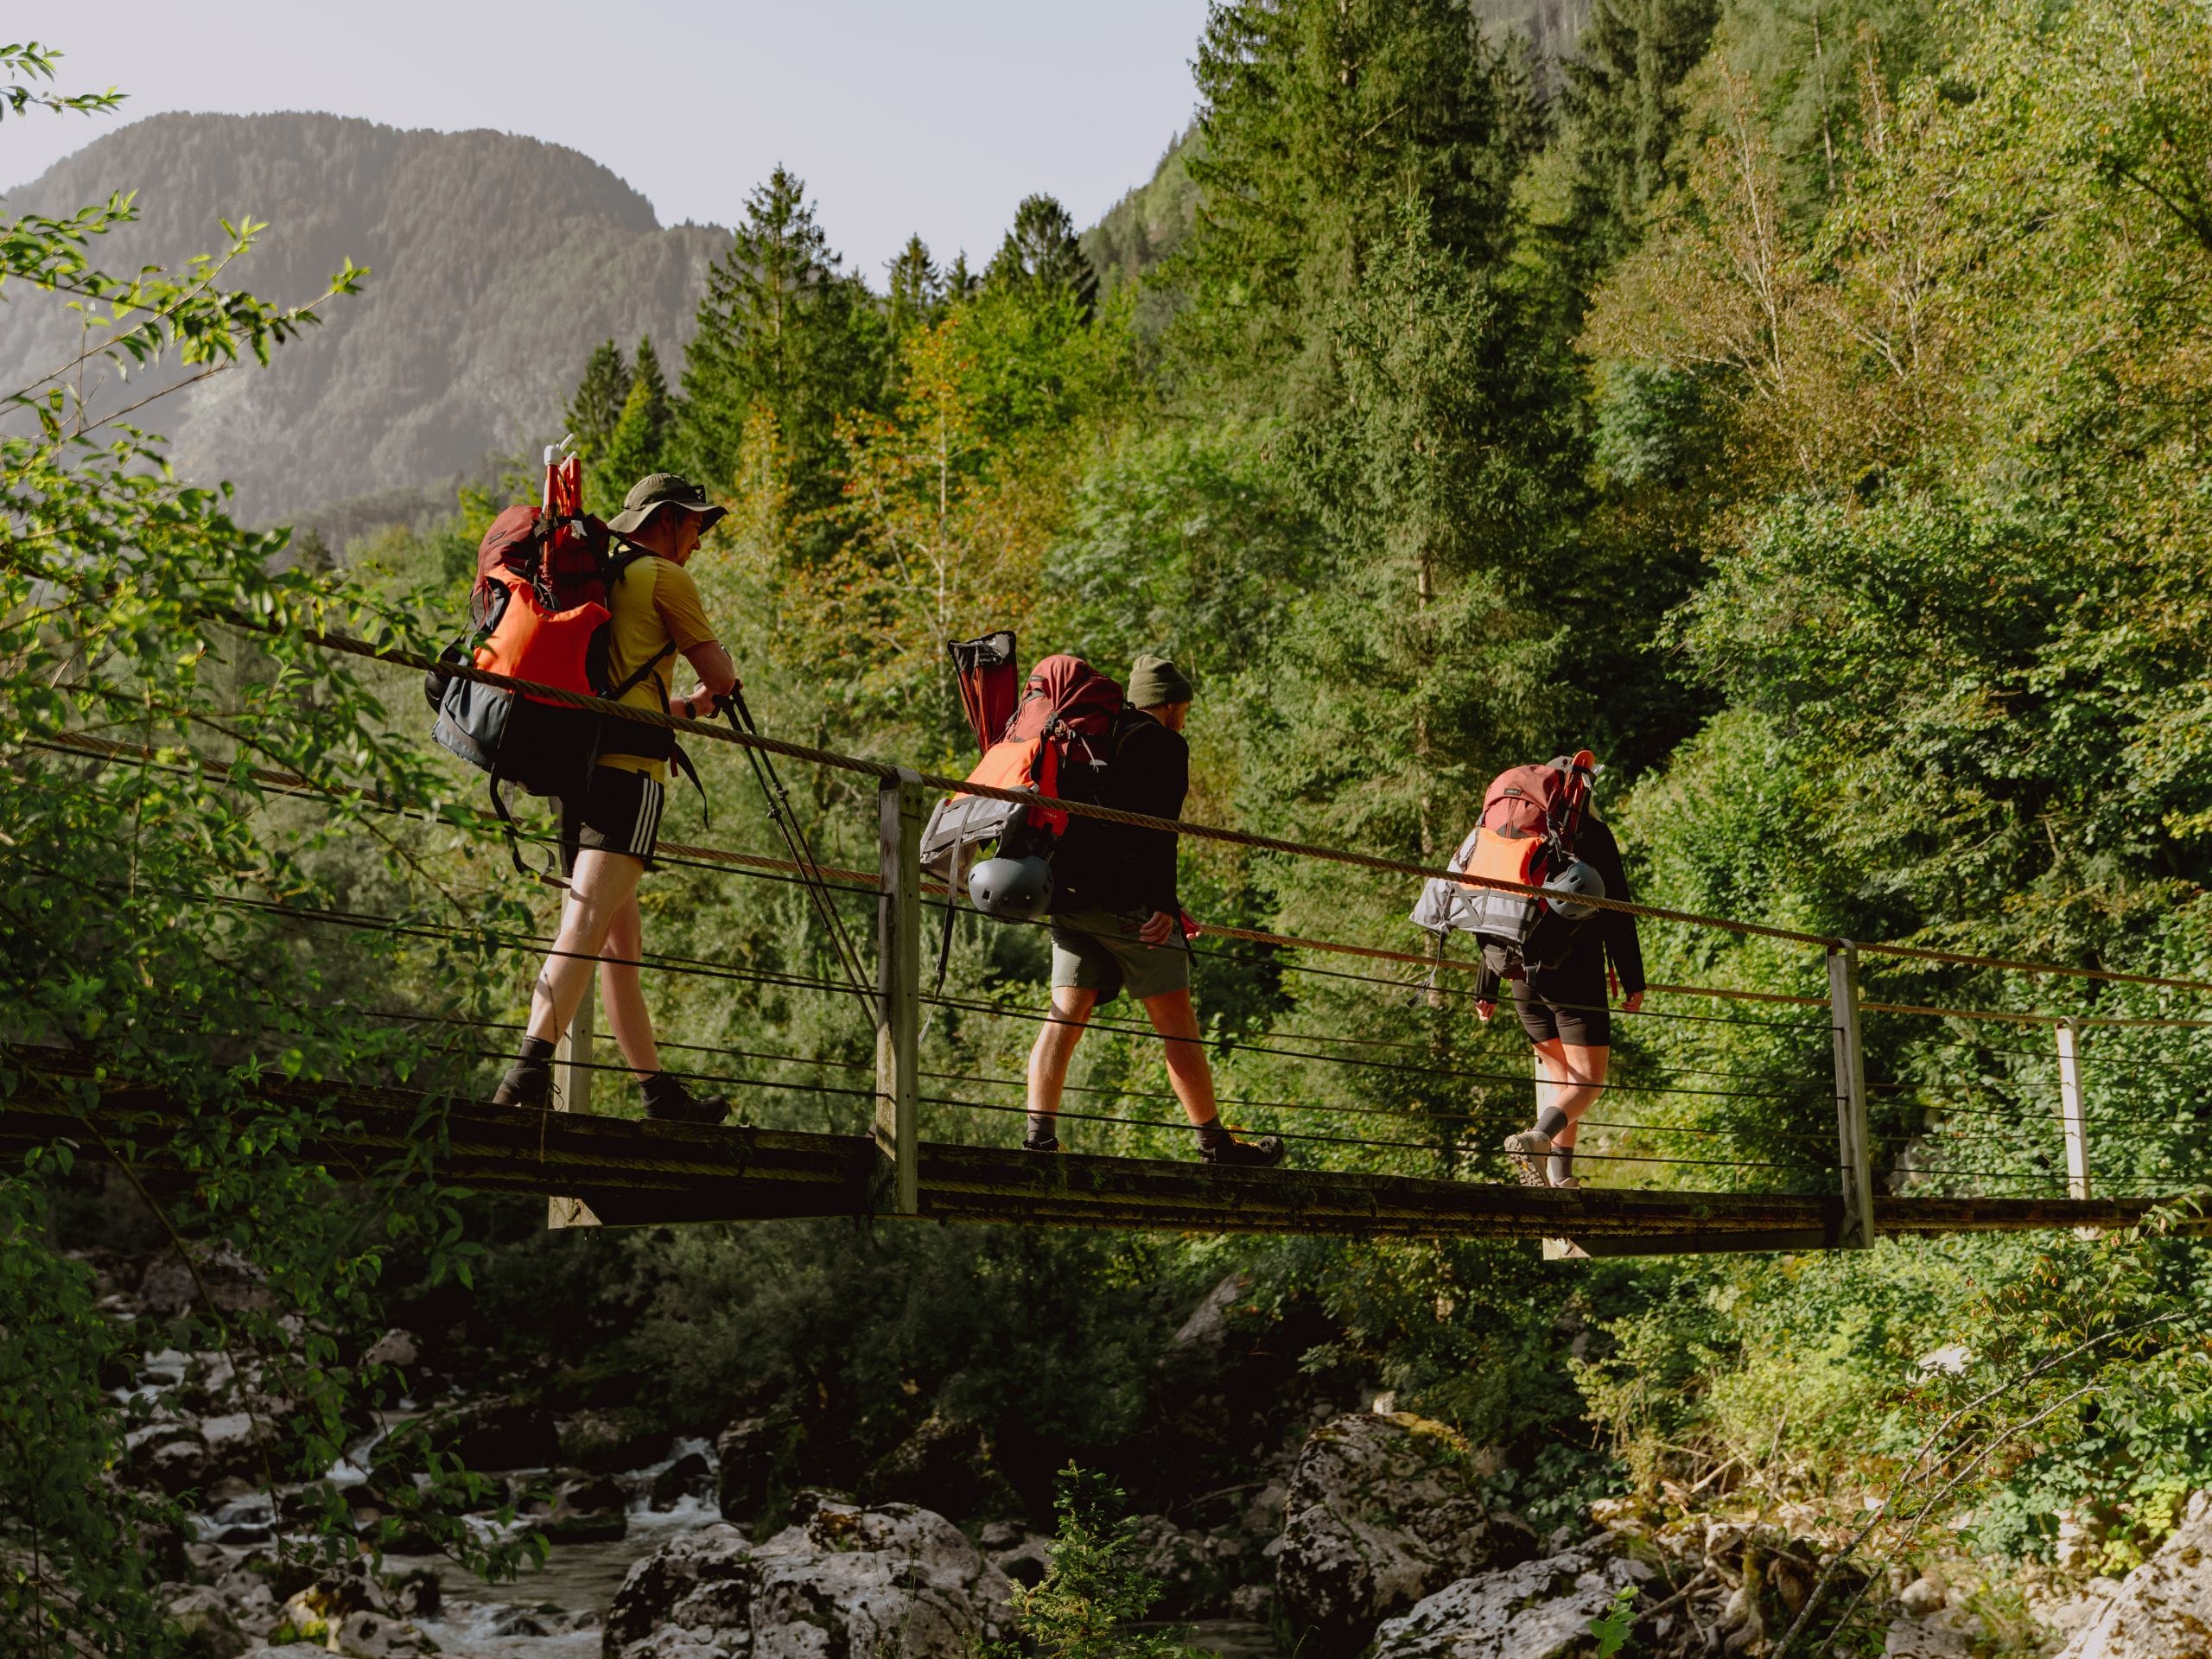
column 640, row 443
column 1613, row 1627
column 1095, row 1590
column 781, row 326
column 156, row 681
column 598, row 401
column 1041, row 252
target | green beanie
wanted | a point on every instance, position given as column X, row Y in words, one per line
column 1154, row 681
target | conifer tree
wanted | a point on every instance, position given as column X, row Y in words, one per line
column 597, row 404
column 783, row 325
column 1623, row 107
column 916, row 288
column 639, row 443
column 1322, row 124
column 1041, row 251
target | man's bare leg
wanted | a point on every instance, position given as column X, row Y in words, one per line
column 1048, row 1061
column 1188, row 1072
column 1191, row 1077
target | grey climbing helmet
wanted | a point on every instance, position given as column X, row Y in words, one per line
column 1012, row 889
column 1568, row 886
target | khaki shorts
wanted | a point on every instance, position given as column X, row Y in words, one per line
column 1098, row 951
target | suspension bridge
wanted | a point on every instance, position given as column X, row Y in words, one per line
column 1841, row 1187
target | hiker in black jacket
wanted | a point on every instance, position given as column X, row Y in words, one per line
column 1117, row 925
column 1563, row 1008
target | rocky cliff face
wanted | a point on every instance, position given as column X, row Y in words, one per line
column 498, row 262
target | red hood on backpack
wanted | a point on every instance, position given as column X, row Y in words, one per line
column 1068, row 689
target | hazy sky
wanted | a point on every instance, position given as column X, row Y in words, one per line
column 900, row 117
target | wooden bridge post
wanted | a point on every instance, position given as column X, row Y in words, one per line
column 899, row 987
column 2071, row 1115
column 572, row 1069
column 1854, row 1145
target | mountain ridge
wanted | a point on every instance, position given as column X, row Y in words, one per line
column 497, row 262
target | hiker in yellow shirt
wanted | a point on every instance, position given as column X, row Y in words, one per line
column 609, row 829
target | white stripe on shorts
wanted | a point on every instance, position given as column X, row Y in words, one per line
column 646, row 829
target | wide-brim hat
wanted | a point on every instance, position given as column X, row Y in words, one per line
column 658, row 490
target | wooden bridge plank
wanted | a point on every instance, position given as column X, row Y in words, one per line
column 632, row 1171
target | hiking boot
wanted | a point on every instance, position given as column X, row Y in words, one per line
column 1040, row 1143
column 528, row 1085
column 1261, row 1152
column 667, row 1101
column 1528, row 1148
column 1568, row 1180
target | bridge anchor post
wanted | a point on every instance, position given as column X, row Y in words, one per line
column 1854, row 1145
column 572, row 1069
column 898, row 988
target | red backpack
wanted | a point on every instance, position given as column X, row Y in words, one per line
column 1058, row 744
column 539, row 607
column 1531, row 816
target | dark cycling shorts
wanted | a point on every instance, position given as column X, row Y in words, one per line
column 1568, row 1002
column 618, row 811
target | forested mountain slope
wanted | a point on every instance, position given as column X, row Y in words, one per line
column 497, row 261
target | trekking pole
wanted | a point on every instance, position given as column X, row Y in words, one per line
column 795, row 841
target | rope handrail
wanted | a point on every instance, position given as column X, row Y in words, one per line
column 886, row 771
column 861, row 881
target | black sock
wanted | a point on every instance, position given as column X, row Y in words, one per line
column 536, row 1049
column 1562, row 1164
column 1550, row 1122
column 1043, row 1127
column 1213, row 1132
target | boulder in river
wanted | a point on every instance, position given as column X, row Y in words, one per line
column 890, row 1580
column 947, row 1464
column 1533, row 1610
column 755, row 1455
column 2165, row 1606
column 1382, row 1510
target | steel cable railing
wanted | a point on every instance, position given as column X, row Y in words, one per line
column 1270, row 1047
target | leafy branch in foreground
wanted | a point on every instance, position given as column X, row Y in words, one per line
column 1095, row 1589
column 150, row 893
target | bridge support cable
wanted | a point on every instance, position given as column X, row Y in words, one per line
column 1854, row 1145
column 899, row 988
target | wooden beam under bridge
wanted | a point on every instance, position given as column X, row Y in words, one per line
column 636, row 1173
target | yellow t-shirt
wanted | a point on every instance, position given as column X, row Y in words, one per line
column 654, row 604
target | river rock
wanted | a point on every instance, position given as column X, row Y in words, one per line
column 2164, row 1608
column 894, row 1580
column 1534, row 1610
column 1197, row 1573
column 609, row 1442
column 689, row 1476
column 496, row 1434
column 204, row 1624
column 754, row 1455
column 946, row 1464
column 1383, row 1511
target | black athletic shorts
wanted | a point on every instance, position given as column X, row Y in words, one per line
column 1568, row 1001
column 617, row 812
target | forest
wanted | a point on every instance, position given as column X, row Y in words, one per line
column 1796, row 403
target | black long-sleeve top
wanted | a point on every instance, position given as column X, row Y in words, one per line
column 1117, row 867
column 1613, row 931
